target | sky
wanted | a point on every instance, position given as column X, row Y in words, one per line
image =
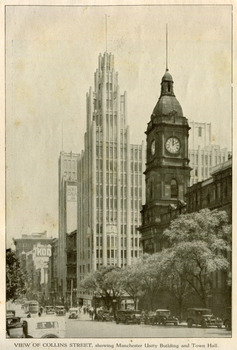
column 51, row 56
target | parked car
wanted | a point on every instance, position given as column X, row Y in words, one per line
column 203, row 317
column 44, row 327
column 10, row 313
column 162, row 317
column 149, row 317
column 128, row 316
column 60, row 310
column 103, row 315
column 73, row 313
column 49, row 310
column 14, row 327
column 227, row 319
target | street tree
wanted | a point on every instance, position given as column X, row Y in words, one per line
column 131, row 282
column 105, row 284
column 173, row 278
column 209, row 226
column 199, row 243
column 15, row 278
column 148, row 271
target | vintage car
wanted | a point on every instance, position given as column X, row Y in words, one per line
column 149, row 317
column 60, row 310
column 103, row 315
column 128, row 316
column 202, row 317
column 73, row 313
column 10, row 313
column 161, row 317
column 14, row 327
column 49, row 310
column 44, row 327
column 227, row 319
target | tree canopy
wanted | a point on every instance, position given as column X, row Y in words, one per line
column 15, row 280
column 199, row 243
column 104, row 283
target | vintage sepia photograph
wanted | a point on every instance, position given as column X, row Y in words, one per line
column 118, row 175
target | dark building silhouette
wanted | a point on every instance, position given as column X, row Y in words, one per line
column 167, row 169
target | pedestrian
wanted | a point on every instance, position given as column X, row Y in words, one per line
column 93, row 314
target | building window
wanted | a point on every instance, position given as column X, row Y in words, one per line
column 174, row 189
column 199, row 131
column 225, row 191
column 208, row 198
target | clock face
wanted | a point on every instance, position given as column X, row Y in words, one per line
column 153, row 147
column 172, row 145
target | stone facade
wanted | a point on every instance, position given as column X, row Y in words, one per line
column 213, row 193
column 216, row 193
column 167, row 169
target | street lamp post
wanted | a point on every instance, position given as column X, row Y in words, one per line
column 71, row 292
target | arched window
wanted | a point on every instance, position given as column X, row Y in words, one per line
column 151, row 190
column 174, row 189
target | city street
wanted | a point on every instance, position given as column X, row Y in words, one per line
column 85, row 328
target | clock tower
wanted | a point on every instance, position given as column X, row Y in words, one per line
column 167, row 168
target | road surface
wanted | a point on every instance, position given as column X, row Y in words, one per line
column 86, row 328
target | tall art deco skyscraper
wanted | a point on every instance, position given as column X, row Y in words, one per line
column 110, row 180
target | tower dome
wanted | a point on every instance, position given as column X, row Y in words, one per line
column 167, row 76
column 167, row 102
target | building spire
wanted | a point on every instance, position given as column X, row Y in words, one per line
column 106, row 33
column 62, row 135
column 167, row 47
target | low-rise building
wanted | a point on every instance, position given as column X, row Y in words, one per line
column 34, row 252
column 215, row 193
